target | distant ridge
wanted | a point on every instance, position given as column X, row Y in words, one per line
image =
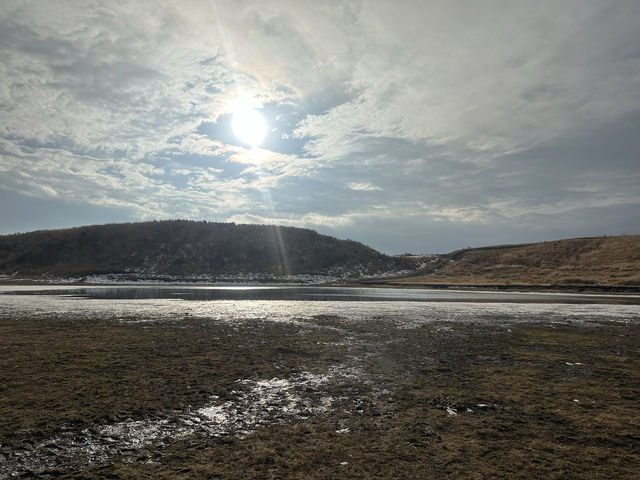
column 597, row 263
column 181, row 249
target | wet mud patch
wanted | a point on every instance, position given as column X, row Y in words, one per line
column 255, row 404
column 77, row 392
column 322, row 398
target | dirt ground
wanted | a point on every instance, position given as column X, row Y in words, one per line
column 320, row 399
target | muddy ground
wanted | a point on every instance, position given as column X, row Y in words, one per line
column 322, row 398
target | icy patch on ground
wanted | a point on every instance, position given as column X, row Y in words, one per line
column 261, row 403
column 403, row 314
column 268, row 402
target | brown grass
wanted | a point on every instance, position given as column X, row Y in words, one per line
column 530, row 427
column 582, row 262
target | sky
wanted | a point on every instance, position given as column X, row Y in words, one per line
column 410, row 126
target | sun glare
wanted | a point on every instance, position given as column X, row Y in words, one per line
column 248, row 125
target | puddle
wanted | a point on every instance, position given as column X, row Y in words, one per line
column 257, row 403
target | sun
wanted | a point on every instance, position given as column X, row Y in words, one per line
column 248, row 125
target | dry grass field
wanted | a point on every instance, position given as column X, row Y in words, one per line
column 579, row 262
column 101, row 399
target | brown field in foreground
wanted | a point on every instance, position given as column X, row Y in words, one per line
column 102, row 399
column 579, row 262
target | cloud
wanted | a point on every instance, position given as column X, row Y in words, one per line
column 309, row 220
column 363, row 186
column 500, row 117
column 492, row 80
column 119, row 79
column 138, row 186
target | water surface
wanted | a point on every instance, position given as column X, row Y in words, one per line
column 311, row 293
column 404, row 307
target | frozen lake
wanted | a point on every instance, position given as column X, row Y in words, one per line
column 292, row 303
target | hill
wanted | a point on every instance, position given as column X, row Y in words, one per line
column 179, row 249
column 606, row 263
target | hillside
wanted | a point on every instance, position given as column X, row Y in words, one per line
column 578, row 262
column 187, row 249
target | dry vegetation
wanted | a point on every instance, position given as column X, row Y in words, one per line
column 579, row 262
column 540, row 400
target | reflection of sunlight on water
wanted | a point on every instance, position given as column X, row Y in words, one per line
column 403, row 314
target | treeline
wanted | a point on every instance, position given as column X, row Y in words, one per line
column 181, row 247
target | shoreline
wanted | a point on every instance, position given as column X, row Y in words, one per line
column 371, row 283
column 603, row 289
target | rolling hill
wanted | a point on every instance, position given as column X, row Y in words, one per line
column 606, row 263
column 179, row 249
column 188, row 250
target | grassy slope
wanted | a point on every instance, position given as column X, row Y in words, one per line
column 602, row 261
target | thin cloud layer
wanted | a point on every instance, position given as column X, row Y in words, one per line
column 411, row 126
